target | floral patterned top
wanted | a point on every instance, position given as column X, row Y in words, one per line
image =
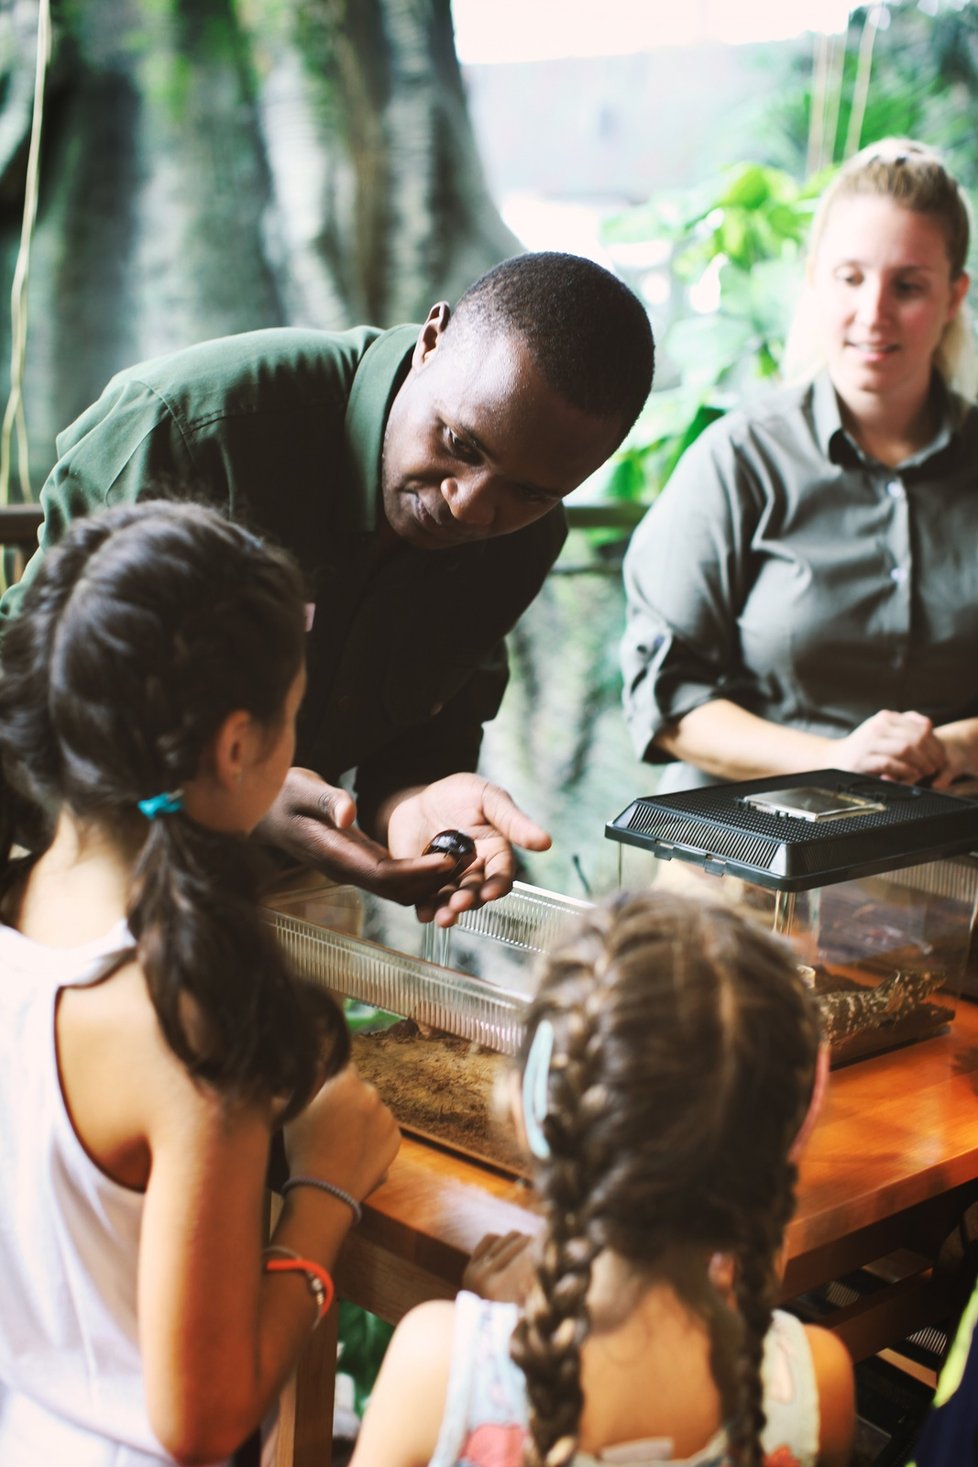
column 486, row 1414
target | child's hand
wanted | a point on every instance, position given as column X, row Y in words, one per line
column 345, row 1135
column 502, row 1268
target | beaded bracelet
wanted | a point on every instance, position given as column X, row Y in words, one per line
column 329, row 1187
column 283, row 1260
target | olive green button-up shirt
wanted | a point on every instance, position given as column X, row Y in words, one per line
column 786, row 571
column 283, row 429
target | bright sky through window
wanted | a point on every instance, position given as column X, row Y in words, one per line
column 535, row 30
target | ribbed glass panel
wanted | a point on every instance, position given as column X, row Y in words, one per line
column 527, row 917
column 393, row 981
column 957, row 879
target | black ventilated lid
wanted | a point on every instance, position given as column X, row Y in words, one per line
column 798, row 831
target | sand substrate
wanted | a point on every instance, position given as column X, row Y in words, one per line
column 443, row 1087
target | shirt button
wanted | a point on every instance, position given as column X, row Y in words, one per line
column 898, row 574
column 895, row 489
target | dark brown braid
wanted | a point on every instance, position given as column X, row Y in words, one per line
column 548, row 1345
column 143, row 630
column 755, row 1289
column 683, row 1065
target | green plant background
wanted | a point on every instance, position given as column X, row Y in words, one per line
column 743, row 231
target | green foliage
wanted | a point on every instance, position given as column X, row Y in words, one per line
column 925, row 78
column 737, row 242
column 923, row 84
column 363, row 1341
column 681, row 415
column 360, row 1016
column 741, row 237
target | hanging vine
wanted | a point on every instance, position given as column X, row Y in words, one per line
column 14, row 416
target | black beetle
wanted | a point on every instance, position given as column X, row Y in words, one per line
column 454, row 843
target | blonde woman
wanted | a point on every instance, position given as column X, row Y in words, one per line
column 804, row 594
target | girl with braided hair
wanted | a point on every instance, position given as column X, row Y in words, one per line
column 153, row 1037
column 670, row 1069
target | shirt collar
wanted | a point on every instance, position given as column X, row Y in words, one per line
column 838, row 447
column 826, row 416
column 383, row 368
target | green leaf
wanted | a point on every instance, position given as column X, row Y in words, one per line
column 704, row 346
column 734, row 234
column 363, row 1343
column 627, row 478
column 752, row 187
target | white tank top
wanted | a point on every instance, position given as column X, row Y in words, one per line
column 71, row 1387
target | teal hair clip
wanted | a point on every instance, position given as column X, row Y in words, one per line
column 165, row 804
column 536, row 1088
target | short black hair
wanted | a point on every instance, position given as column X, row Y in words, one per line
column 589, row 334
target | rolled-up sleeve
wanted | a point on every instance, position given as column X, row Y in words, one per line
column 686, row 575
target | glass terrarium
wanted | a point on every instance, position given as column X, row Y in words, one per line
column 435, row 1013
column 872, row 882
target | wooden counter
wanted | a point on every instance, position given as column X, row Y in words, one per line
column 890, row 1167
column 892, row 1163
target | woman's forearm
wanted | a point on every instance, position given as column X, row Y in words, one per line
column 960, row 740
column 730, row 743
column 726, row 741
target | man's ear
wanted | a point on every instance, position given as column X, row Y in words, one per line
column 232, row 748
column 431, row 333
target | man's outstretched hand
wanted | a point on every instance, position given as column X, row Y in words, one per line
column 486, row 814
column 313, row 822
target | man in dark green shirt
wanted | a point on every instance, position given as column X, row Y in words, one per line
column 417, row 477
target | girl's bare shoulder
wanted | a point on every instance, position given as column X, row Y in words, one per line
column 125, row 1089
column 402, row 1421
column 836, row 1396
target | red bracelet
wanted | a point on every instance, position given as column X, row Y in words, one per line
column 317, row 1278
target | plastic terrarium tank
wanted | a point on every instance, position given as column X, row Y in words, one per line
column 873, row 884
column 436, row 1014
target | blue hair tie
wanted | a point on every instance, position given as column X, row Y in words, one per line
column 166, row 804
